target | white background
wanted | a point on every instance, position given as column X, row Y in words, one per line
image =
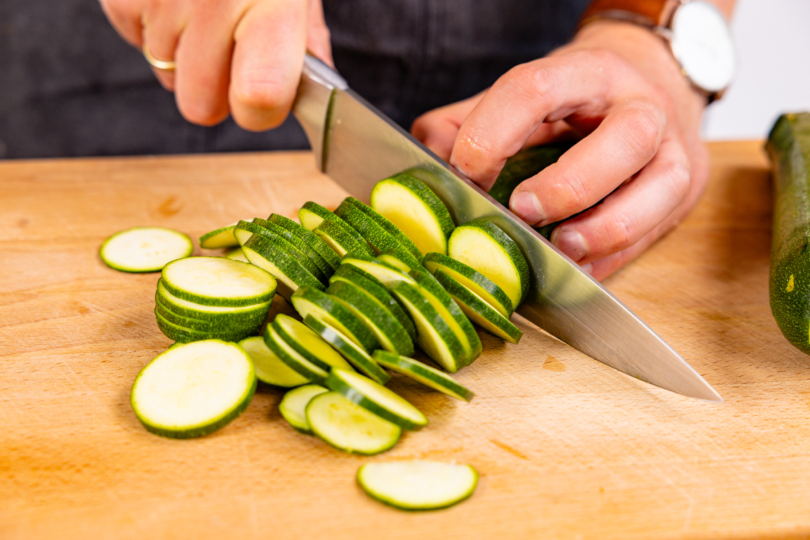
column 773, row 69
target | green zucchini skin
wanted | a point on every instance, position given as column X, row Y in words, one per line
column 789, row 286
column 523, row 165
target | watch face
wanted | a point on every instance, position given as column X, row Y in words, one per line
column 702, row 43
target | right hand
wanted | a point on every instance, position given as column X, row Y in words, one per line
column 237, row 57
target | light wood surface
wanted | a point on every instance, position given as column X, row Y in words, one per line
column 566, row 447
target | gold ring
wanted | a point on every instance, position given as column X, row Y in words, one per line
column 165, row 65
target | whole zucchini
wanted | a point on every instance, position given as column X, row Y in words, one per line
column 789, row 149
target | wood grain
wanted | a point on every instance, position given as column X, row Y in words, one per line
column 566, row 447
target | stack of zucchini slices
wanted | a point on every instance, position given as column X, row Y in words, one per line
column 202, row 298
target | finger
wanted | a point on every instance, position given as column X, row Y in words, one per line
column 549, row 89
column 203, row 61
column 318, row 40
column 163, row 23
column 624, row 142
column 631, row 212
column 267, row 61
column 437, row 129
column 125, row 17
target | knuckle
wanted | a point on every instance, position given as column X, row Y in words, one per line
column 677, row 177
column 575, row 195
column 532, row 81
column 642, row 127
column 621, row 231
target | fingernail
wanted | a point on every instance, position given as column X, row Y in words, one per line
column 571, row 243
column 587, row 268
column 527, row 207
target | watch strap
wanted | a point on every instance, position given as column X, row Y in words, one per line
column 649, row 13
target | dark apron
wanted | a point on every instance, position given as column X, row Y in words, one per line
column 69, row 86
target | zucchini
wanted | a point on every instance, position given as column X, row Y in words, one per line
column 307, row 343
column 284, row 351
column 144, row 249
column 293, row 406
column 417, row 484
column 472, row 279
column 237, row 254
column 376, row 398
column 256, row 228
column 291, row 274
column 478, row 310
column 177, row 332
column 194, row 389
column 789, row 285
column 341, row 241
column 221, row 325
column 483, row 246
column 402, row 260
column 392, row 229
column 374, row 268
column 349, row 349
column 313, row 215
column 376, row 236
column 219, row 238
column 312, row 239
column 451, row 313
column 376, row 290
column 217, row 281
column 309, row 301
column 391, row 335
column 192, row 310
column 269, row 367
column 423, row 373
column 324, row 270
column 349, row 427
column 415, row 210
column 434, row 335
column 524, row 165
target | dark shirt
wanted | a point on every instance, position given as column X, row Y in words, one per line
column 70, row 86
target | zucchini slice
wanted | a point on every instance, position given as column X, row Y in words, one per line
column 376, row 398
column 474, row 280
column 452, row 314
column 378, row 292
column 324, row 270
column 392, row 229
column 416, row 484
column 214, row 326
column 349, row 349
column 194, row 310
column 217, row 281
column 293, row 406
column 374, row 268
column 194, row 389
column 144, row 249
column 308, row 301
column 423, row 373
column 349, row 427
column 485, row 247
column 479, row 311
column 269, row 367
column 180, row 333
column 341, row 241
column 237, row 254
column 264, row 254
column 434, row 334
column 376, row 236
column 313, row 215
column 280, row 242
column 413, row 208
column 312, row 239
column 219, row 238
column 307, row 343
column 391, row 335
column 288, row 355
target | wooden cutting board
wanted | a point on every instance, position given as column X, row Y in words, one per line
column 566, row 447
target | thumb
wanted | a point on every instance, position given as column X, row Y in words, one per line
column 318, row 34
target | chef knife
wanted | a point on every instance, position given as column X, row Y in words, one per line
column 356, row 145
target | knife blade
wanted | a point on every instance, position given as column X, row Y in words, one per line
column 356, row 145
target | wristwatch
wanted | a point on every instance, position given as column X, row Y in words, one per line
column 698, row 34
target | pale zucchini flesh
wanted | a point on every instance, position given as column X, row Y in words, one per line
column 372, row 267
column 270, row 369
column 308, row 344
column 217, row 281
column 424, row 374
column 376, row 398
column 290, row 356
column 416, row 484
column 340, row 240
column 290, row 273
column 237, row 254
column 293, row 407
column 219, row 238
column 349, row 427
column 193, row 389
column 392, row 229
column 474, row 280
column 144, row 249
column 322, row 306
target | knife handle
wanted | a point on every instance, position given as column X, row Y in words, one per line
column 311, row 105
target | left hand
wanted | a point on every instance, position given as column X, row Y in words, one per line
column 618, row 87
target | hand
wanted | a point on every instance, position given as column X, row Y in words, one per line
column 618, row 88
column 238, row 57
